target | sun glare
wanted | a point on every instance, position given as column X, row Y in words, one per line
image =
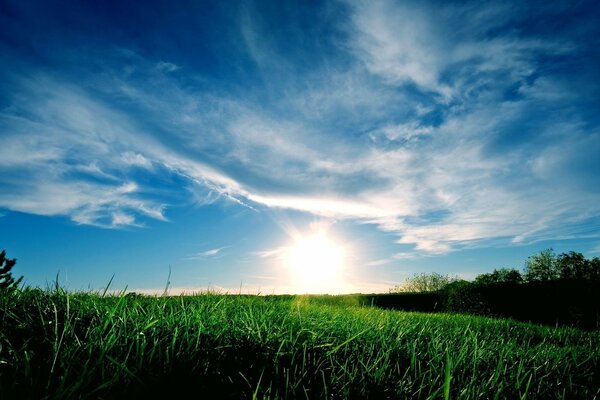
column 316, row 264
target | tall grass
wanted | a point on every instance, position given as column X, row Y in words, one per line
column 56, row 344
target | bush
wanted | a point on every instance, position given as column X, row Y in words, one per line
column 6, row 279
column 464, row 296
column 424, row 283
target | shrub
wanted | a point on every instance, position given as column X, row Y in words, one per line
column 424, row 282
column 6, row 279
column 463, row 296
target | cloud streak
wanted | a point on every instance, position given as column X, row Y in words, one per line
column 211, row 252
column 448, row 129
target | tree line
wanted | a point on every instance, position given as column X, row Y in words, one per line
column 551, row 289
column 544, row 266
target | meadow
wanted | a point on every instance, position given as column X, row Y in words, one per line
column 56, row 344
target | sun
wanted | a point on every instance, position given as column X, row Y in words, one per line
column 316, row 264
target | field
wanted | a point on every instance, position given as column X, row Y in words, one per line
column 56, row 344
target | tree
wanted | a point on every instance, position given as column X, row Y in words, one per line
column 594, row 272
column 6, row 279
column 502, row 275
column 574, row 265
column 541, row 267
column 425, row 282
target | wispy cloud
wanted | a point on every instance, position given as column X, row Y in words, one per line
column 376, row 263
column 211, row 252
column 270, row 253
column 439, row 52
column 400, row 43
column 406, row 255
column 444, row 127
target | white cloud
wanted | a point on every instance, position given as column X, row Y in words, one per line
column 321, row 206
column 450, row 172
column 438, row 186
column 211, row 252
column 68, row 135
column 408, row 42
column 120, row 218
column 406, row 131
column 399, row 42
column 135, row 159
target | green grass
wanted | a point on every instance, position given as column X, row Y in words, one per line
column 56, row 344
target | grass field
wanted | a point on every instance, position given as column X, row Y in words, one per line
column 56, row 344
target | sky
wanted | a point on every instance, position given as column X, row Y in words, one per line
column 206, row 138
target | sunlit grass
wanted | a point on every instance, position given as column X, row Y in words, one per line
column 76, row 345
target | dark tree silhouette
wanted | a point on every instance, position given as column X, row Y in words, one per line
column 574, row 265
column 502, row 275
column 6, row 279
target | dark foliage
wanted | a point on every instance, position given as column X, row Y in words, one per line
column 502, row 275
column 463, row 296
column 426, row 302
column 574, row 265
column 554, row 290
column 6, row 279
column 558, row 302
column 546, row 266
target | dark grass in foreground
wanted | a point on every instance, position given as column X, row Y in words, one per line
column 66, row 345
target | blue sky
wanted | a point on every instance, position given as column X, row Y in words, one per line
column 454, row 137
